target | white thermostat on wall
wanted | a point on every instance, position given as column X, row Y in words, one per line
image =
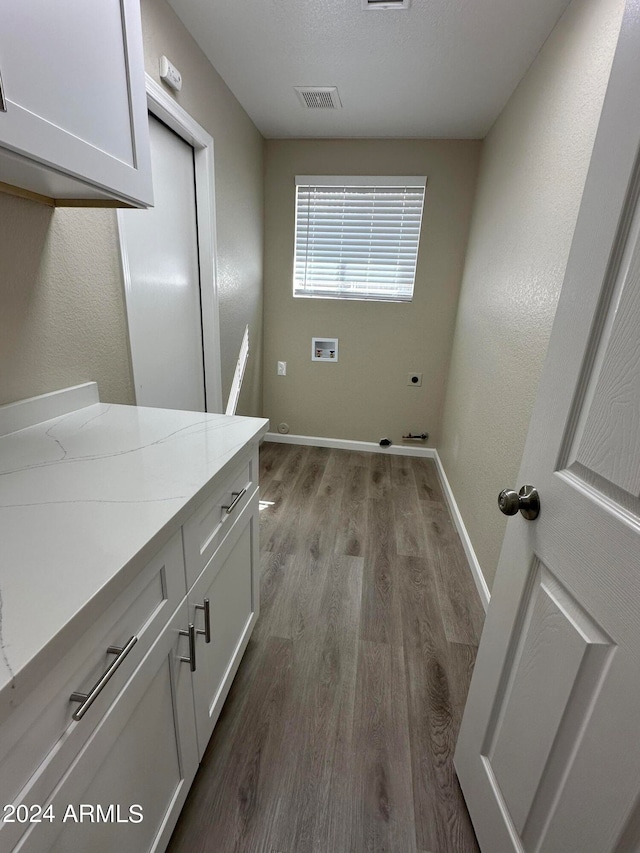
column 170, row 75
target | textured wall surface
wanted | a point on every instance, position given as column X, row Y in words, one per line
column 61, row 302
column 532, row 174
column 365, row 395
column 62, row 311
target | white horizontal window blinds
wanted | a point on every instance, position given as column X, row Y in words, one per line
column 357, row 238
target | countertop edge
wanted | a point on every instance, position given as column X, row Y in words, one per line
column 23, row 683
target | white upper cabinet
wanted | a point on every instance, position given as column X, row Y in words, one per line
column 74, row 125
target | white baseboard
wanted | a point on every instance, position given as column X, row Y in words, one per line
column 474, row 565
column 344, row 444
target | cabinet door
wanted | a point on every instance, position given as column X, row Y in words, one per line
column 137, row 767
column 40, row 740
column 230, row 583
column 74, row 91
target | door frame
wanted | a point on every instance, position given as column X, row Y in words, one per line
column 161, row 105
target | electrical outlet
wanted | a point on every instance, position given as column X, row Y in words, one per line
column 414, row 379
column 282, row 368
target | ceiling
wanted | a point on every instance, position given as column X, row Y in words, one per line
column 441, row 68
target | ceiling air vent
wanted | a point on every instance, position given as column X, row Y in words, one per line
column 385, row 5
column 319, row 97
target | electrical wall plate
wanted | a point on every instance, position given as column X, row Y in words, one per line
column 414, row 379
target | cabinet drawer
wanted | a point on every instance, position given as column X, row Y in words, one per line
column 39, row 741
column 205, row 530
column 137, row 765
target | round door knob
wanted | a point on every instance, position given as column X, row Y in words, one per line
column 526, row 501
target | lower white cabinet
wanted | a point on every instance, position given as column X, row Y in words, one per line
column 125, row 789
column 114, row 778
column 229, row 583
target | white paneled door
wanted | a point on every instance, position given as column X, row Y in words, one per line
column 549, row 750
column 160, row 248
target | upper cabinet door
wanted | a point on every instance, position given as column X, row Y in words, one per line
column 75, row 121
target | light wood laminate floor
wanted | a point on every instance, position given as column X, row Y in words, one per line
column 339, row 730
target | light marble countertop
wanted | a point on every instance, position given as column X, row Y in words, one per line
column 86, row 498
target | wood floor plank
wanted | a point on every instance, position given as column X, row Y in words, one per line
column 297, row 612
column 380, row 476
column 278, row 465
column 333, row 478
column 410, row 532
column 313, row 814
column 273, row 571
column 460, row 605
column 288, row 536
column 352, row 520
column 304, row 579
column 360, row 458
column 381, row 620
column 232, row 799
column 381, row 753
column 271, row 498
column 427, row 479
column 462, row 658
column 442, row 822
column 340, row 618
column 320, row 527
column 279, row 520
column 338, row 732
column 270, row 462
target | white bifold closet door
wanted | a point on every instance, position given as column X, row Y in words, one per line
column 160, row 249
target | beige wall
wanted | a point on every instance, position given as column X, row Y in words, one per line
column 532, row 174
column 61, row 302
column 365, row 395
column 62, row 317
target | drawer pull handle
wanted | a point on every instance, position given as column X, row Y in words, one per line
column 3, row 100
column 87, row 699
column 237, row 497
column 207, row 620
column 191, row 634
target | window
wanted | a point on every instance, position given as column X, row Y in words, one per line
column 357, row 238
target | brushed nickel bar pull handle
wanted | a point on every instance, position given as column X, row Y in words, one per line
column 207, row 620
column 3, row 100
column 191, row 634
column 87, row 699
column 237, row 497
